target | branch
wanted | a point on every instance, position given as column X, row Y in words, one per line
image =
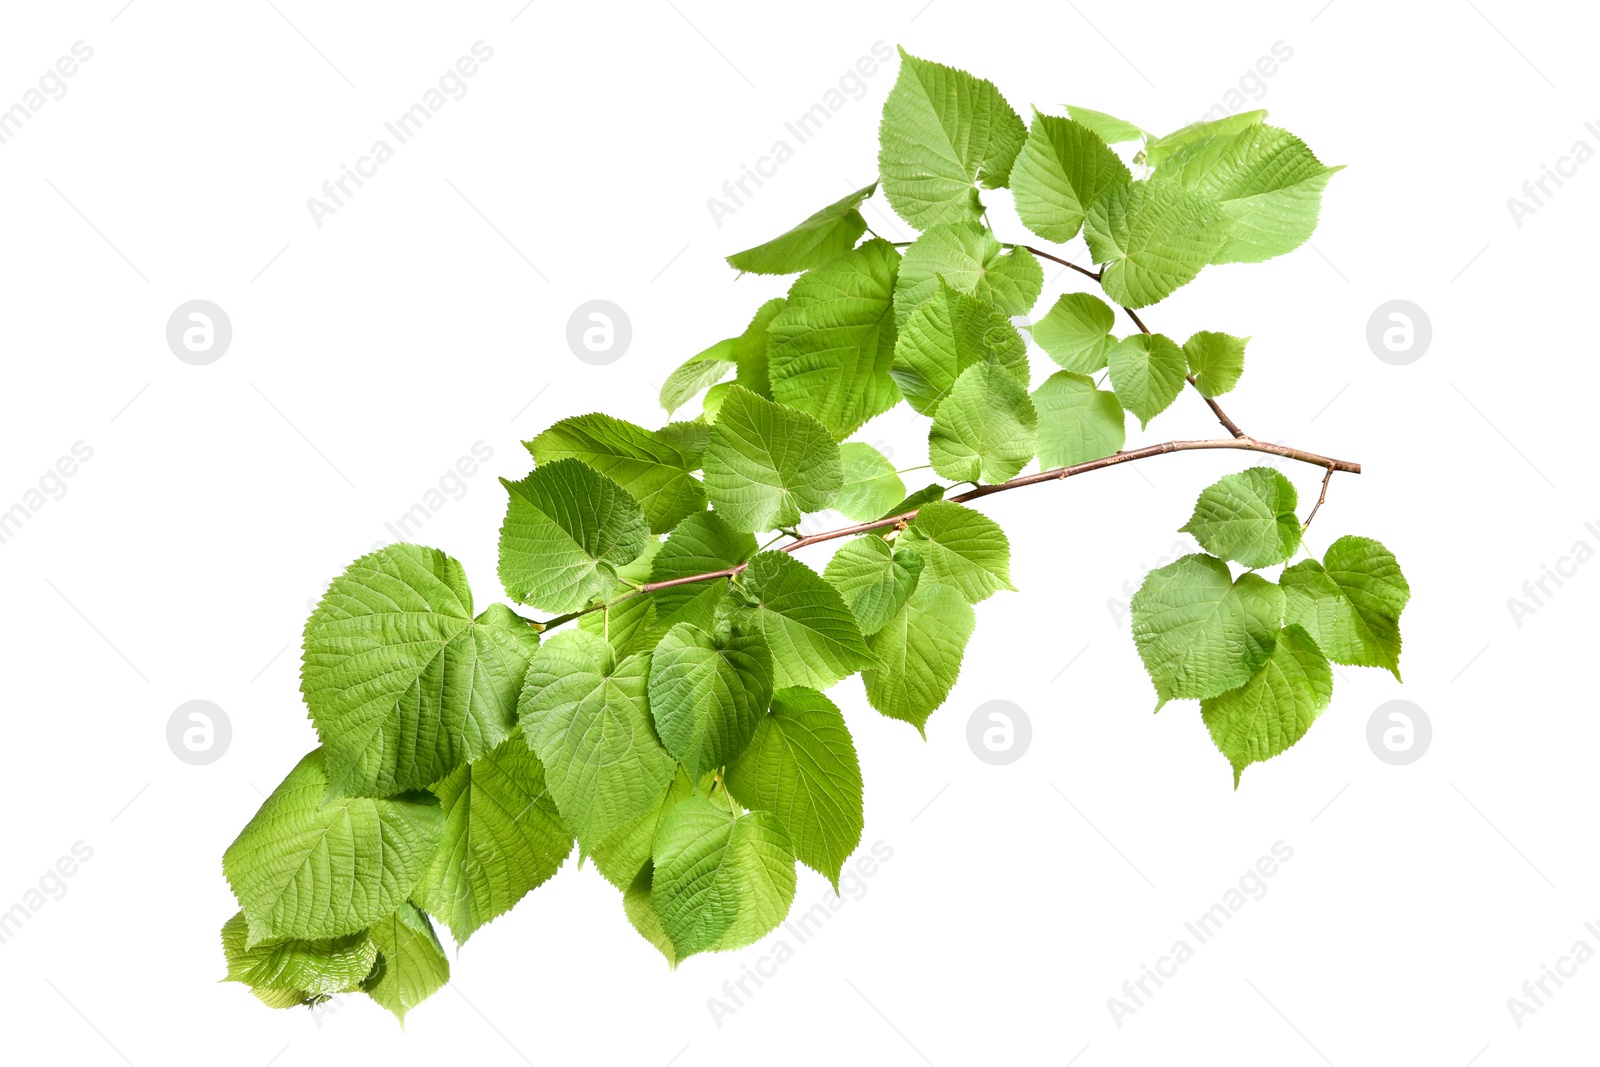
column 1057, row 259
column 1326, row 478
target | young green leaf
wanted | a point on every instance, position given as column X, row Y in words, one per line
column 969, row 258
column 920, row 650
column 402, row 682
column 309, row 866
column 503, row 837
column 1153, row 237
column 585, row 715
column 768, row 464
column 648, row 467
column 820, row 237
column 721, row 881
column 747, row 352
column 1248, row 517
column 316, row 968
column 1110, row 128
column 874, row 579
column 942, row 130
column 1158, row 151
column 1062, row 168
column 412, row 965
column 1350, row 603
column 1076, row 332
column 960, row 548
column 708, row 693
column 1147, row 372
column 567, row 529
column 1215, row 361
column 947, row 333
column 870, row 482
column 802, row 767
column 1199, row 632
column 831, row 346
column 813, row 635
column 1276, row 707
column 985, row 428
column 1077, row 422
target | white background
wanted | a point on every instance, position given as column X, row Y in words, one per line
column 429, row 313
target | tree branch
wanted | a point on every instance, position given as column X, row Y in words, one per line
column 1057, row 259
column 1326, row 478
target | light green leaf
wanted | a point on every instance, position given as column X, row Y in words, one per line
column 831, row 346
column 961, row 548
column 822, row 236
column 1350, row 603
column 985, row 428
column 411, row 963
column 1248, row 517
column 503, row 836
column 708, row 693
column 623, row 854
column 947, row 333
column 1076, row 332
column 1267, row 182
column 638, row 903
column 1063, row 167
column 920, row 650
column 1077, row 422
column 1153, row 237
column 585, row 715
column 690, row 378
column 402, row 683
column 1158, row 151
column 1147, row 372
column 870, row 482
column 1199, row 632
column 630, row 626
column 567, row 529
column 969, row 258
column 1215, row 361
column 309, row 866
column 1110, row 128
column 942, row 130
column 874, row 579
column 1276, row 707
column 813, row 635
column 802, row 767
column 701, row 544
column 768, row 464
column 721, row 881
column 316, row 968
column 932, row 491
column 747, row 352
column 649, row 468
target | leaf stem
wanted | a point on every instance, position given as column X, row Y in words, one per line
column 1326, row 478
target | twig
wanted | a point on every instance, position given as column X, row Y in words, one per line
column 1326, row 478
column 1057, row 259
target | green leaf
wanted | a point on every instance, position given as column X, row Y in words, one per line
column 768, row 464
column 585, row 715
column 402, row 683
column 1076, row 332
column 567, row 529
column 1350, row 603
column 701, row 544
column 1267, row 182
column 411, row 966
column 932, row 491
column 690, row 378
column 920, row 651
column 831, row 346
column 622, row 855
column 317, row 968
column 638, row 903
column 1110, row 128
column 1153, row 237
column 747, row 352
column 1248, row 517
column 1215, row 361
column 1063, row 167
column 708, row 692
column 1147, row 372
column 813, row 635
column 870, row 482
column 874, row 579
column 969, row 258
column 629, row 626
column 822, row 236
column 649, row 468
column 1199, row 632
column 1158, row 151
column 1276, row 707
column 802, row 767
column 985, row 428
column 1077, row 422
column 947, row 333
column 309, row 866
column 503, row 836
column 961, row 548
column 942, row 130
